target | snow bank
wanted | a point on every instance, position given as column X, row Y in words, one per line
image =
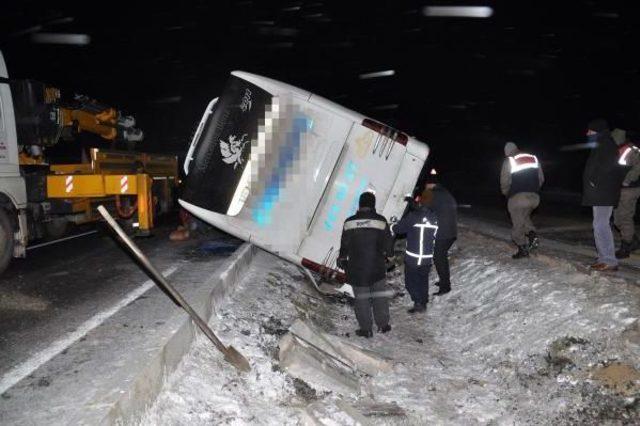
column 514, row 342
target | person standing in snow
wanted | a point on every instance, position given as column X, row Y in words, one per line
column 629, row 159
column 520, row 180
column 601, row 182
column 420, row 226
column 445, row 207
column 366, row 242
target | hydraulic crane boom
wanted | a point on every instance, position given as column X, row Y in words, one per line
column 43, row 115
column 87, row 115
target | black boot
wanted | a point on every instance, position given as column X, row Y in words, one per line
column 534, row 242
column 364, row 333
column 521, row 253
column 384, row 328
column 624, row 251
column 442, row 291
column 417, row 307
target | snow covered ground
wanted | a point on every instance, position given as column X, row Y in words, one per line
column 536, row 341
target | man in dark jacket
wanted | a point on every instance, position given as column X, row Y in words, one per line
column 520, row 180
column 445, row 207
column 601, row 182
column 365, row 244
column 420, row 226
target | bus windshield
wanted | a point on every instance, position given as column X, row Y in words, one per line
column 222, row 151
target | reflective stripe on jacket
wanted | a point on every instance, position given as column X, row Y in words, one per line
column 624, row 152
column 420, row 226
column 366, row 240
column 524, row 174
column 629, row 159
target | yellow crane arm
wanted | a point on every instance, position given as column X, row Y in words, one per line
column 103, row 123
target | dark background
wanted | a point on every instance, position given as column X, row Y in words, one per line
column 534, row 73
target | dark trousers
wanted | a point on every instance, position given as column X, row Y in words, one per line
column 441, row 260
column 416, row 280
column 374, row 297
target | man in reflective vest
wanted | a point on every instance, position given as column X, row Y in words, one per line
column 420, row 227
column 520, row 180
column 629, row 159
column 366, row 241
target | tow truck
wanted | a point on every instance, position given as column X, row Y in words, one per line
column 39, row 199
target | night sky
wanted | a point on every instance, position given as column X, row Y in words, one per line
column 535, row 72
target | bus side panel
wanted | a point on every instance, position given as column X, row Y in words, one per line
column 360, row 168
column 326, row 140
column 403, row 186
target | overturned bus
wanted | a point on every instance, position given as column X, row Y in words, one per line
column 283, row 168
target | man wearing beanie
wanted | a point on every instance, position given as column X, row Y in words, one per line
column 601, row 182
column 629, row 159
column 446, row 209
column 420, row 227
column 520, row 180
column 366, row 242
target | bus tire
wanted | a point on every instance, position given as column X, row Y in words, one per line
column 6, row 240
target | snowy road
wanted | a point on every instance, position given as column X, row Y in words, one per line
column 74, row 326
column 532, row 342
column 59, row 287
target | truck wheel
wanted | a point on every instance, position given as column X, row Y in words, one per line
column 56, row 228
column 6, row 240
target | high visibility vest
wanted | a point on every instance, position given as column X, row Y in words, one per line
column 520, row 162
column 524, row 173
column 425, row 248
column 624, row 151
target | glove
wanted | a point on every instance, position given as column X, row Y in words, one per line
column 411, row 203
column 342, row 263
column 390, row 264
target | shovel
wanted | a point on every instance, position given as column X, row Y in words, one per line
column 230, row 353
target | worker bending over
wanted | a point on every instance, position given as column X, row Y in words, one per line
column 520, row 180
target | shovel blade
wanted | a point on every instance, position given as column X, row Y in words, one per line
column 236, row 359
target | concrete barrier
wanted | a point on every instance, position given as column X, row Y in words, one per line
column 144, row 388
column 325, row 361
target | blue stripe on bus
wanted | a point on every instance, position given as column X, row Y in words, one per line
column 356, row 196
column 287, row 154
column 342, row 189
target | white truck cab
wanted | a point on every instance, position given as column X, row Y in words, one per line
column 13, row 192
